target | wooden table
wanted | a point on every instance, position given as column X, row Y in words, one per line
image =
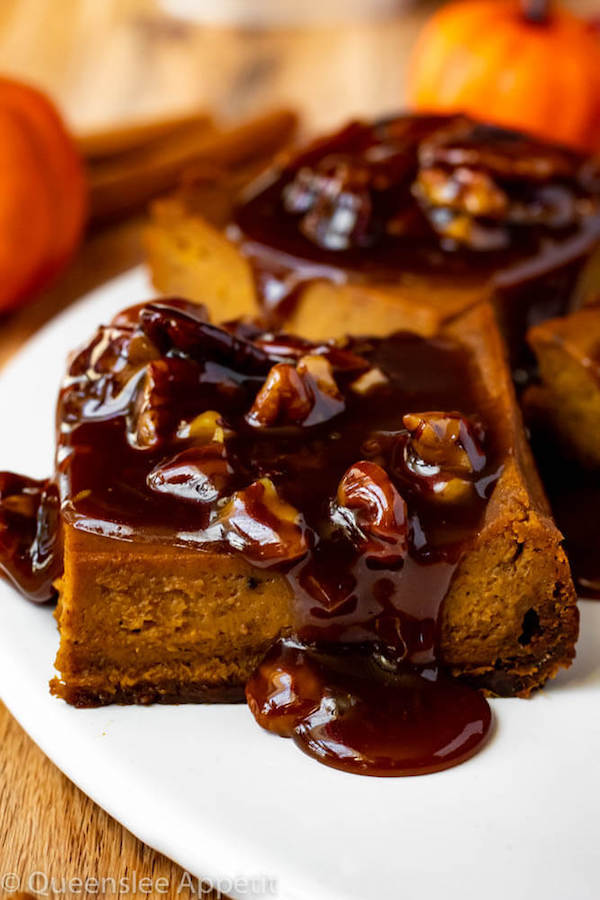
column 107, row 61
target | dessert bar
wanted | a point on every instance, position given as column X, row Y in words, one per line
column 568, row 355
column 563, row 413
column 308, row 521
column 403, row 223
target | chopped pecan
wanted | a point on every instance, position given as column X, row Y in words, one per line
column 467, row 190
column 326, row 399
column 283, row 398
column 283, row 690
column 150, row 419
column 465, row 206
column 291, row 348
column 464, row 230
column 118, row 350
column 140, row 350
column 103, row 377
column 370, row 508
column 305, row 394
column 465, row 195
column 334, row 201
column 476, row 182
column 208, row 426
column 261, row 526
column 497, row 151
column 197, row 475
column 443, row 453
column 185, row 330
column 369, row 381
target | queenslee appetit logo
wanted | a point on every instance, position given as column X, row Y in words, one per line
column 44, row 884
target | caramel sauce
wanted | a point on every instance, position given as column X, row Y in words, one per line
column 30, row 537
column 359, row 470
column 348, row 712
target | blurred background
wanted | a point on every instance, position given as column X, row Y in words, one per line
column 149, row 89
column 110, row 61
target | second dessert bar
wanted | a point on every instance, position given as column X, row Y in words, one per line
column 403, row 223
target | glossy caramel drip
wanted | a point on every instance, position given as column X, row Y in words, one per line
column 30, row 535
column 348, row 712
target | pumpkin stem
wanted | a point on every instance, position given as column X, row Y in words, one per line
column 536, row 11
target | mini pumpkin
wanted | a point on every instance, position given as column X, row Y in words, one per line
column 526, row 65
column 43, row 193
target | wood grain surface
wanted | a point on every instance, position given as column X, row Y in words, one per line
column 108, row 62
column 46, row 824
column 53, row 834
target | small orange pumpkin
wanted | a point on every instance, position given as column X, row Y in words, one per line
column 43, row 193
column 524, row 66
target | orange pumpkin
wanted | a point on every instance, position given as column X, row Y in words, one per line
column 43, row 193
column 525, row 66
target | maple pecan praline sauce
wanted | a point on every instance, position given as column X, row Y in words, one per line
column 360, row 470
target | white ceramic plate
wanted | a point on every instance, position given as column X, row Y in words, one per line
column 227, row 801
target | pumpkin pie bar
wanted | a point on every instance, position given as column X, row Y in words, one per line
column 563, row 413
column 568, row 396
column 220, row 490
column 404, row 223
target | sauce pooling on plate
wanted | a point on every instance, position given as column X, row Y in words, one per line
column 348, row 711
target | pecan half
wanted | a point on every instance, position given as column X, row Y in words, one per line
column 334, row 201
column 370, row 508
column 150, row 420
column 196, row 475
column 476, row 183
column 185, row 329
column 283, row 690
column 305, row 394
column 261, row 526
column 443, row 453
